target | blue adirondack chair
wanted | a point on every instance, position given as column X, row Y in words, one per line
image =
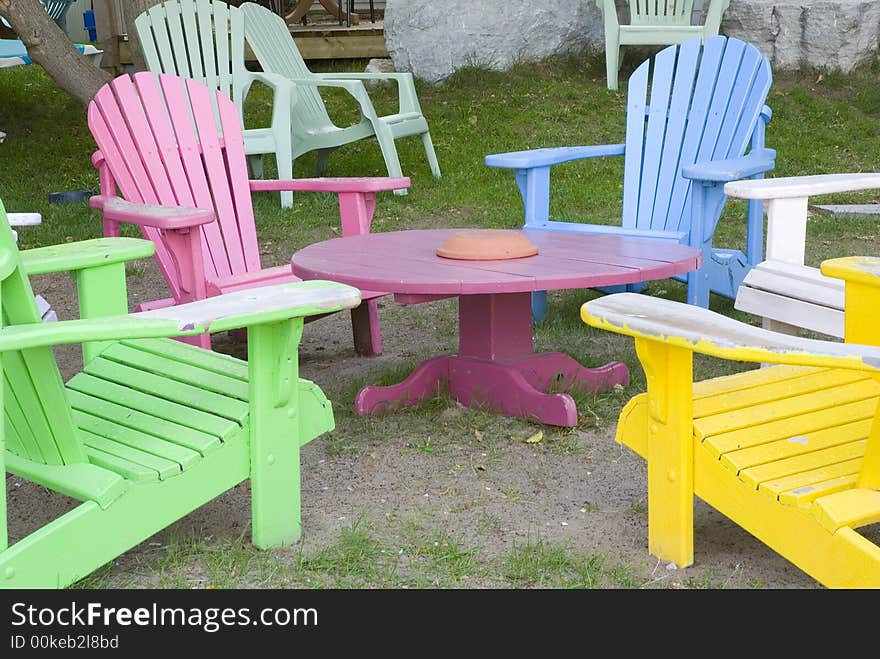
column 695, row 120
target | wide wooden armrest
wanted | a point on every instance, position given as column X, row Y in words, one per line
column 792, row 187
column 706, row 332
column 551, row 156
column 857, row 269
column 732, row 169
column 82, row 254
column 329, row 184
column 224, row 312
column 151, row 215
column 264, row 304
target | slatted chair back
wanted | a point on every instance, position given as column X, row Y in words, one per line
column 268, row 35
column 159, row 141
column 56, row 9
column 691, row 103
column 38, row 423
column 665, row 12
column 199, row 39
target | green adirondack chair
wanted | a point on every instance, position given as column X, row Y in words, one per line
column 313, row 130
column 151, row 428
column 204, row 40
column 653, row 23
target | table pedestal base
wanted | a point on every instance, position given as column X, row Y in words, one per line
column 514, row 387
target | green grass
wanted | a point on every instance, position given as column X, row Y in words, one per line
column 820, row 124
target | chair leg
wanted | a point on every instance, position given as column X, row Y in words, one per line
column 365, row 328
column 432, row 156
column 612, row 66
column 285, row 173
column 389, row 153
column 255, row 162
column 698, row 288
column 321, row 162
column 275, row 432
column 539, row 306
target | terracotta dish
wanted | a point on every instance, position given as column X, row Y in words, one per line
column 487, row 245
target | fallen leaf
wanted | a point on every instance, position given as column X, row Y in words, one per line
column 534, row 439
column 481, row 468
column 478, row 435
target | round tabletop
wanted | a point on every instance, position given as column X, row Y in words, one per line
column 405, row 262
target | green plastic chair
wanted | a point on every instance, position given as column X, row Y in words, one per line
column 313, row 130
column 204, row 40
column 654, row 23
column 150, row 428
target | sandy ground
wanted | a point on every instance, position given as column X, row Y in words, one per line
column 491, row 492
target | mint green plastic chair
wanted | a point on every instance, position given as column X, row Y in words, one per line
column 313, row 130
column 204, row 40
column 653, row 23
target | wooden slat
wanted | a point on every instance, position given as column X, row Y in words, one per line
column 142, row 137
column 175, row 412
column 658, row 111
column 207, row 401
column 749, row 379
column 798, row 441
column 137, row 420
column 245, row 236
column 785, row 428
column 803, row 496
column 775, row 306
column 148, row 362
column 701, row 96
column 118, row 434
column 804, row 462
column 774, row 391
column 165, row 468
column 636, row 103
column 181, row 119
column 783, row 408
column 125, row 468
column 216, row 362
column 679, row 106
column 803, row 283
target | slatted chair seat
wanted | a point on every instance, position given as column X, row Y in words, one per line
column 782, row 290
column 792, row 433
column 177, row 405
column 793, row 296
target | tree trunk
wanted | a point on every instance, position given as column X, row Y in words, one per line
column 133, row 9
column 48, row 46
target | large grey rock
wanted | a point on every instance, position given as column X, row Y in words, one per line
column 829, row 34
column 433, row 39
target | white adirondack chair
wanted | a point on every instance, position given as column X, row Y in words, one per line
column 787, row 294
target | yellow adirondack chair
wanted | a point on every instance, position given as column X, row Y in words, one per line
column 790, row 452
column 655, row 24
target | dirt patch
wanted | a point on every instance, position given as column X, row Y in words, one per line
column 444, row 472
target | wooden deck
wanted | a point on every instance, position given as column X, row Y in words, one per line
column 329, row 40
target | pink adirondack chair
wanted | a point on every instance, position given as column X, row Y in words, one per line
column 182, row 177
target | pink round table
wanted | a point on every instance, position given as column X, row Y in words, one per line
column 495, row 365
